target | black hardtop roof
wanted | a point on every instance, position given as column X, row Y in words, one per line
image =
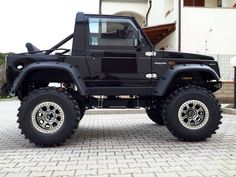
column 80, row 16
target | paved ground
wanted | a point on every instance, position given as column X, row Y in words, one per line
column 128, row 145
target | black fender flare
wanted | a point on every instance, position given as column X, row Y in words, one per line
column 168, row 77
column 72, row 70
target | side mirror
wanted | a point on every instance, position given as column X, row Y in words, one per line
column 137, row 41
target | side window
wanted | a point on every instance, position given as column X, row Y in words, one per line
column 111, row 32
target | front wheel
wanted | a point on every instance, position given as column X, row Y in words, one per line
column 192, row 113
column 48, row 116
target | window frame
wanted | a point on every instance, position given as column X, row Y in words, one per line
column 132, row 20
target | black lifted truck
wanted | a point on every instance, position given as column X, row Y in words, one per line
column 112, row 64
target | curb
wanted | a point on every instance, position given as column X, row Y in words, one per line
column 9, row 99
column 229, row 111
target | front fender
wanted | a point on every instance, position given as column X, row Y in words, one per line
column 169, row 76
column 73, row 72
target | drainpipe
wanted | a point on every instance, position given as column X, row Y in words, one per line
column 100, row 7
column 179, row 41
column 149, row 9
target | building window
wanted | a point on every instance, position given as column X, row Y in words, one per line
column 198, row 3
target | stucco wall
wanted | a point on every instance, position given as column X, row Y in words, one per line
column 209, row 30
column 228, row 3
column 163, row 12
column 160, row 8
column 226, row 93
column 115, row 7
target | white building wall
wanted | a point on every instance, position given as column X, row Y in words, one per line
column 170, row 43
column 163, row 12
column 231, row 3
column 109, row 7
column 156, row 16
column 228, row 3
column 209, row 30
column 171, row 11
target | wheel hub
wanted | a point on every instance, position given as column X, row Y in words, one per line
column 50, row 116
column 193, row 114
column 47, row 117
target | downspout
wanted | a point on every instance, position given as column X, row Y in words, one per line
column 149, row 9
column 180, row 21
column 100, row 7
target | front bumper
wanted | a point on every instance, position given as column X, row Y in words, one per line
column 4, row 91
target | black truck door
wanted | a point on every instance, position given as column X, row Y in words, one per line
column 112, row 58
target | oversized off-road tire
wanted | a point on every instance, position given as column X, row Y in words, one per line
column 192, row 113
column 78, row 99
column 48, row 116
column 154, row 112
column 82, row 112
column 25, row 89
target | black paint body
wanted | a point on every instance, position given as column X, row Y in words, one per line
column 110, row 70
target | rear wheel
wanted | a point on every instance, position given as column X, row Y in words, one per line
column 192, row 113
column 48, row 116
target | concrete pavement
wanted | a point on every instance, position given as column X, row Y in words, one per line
column 112, row 145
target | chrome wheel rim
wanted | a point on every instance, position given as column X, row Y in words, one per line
column 193, row 114
column 47, row 117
